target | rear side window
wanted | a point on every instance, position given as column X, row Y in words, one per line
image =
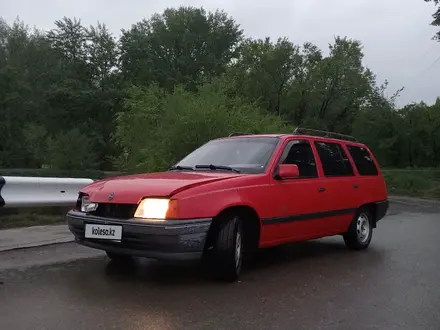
column 334, row 159
column 363, row 160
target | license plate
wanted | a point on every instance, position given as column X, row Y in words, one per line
column 103, row 232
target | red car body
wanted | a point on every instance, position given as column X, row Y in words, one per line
column 273, row 208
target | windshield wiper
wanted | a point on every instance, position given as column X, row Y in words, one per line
column 181, row 168
column 217, row 167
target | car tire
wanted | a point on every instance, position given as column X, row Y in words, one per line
column 228, row 251
column 360, row 232
column 119, row 258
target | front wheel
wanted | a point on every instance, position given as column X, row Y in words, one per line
column 228, row 250
column 358, row 236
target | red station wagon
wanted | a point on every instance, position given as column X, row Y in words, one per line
column 234, row 195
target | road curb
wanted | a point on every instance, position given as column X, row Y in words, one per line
column 34, row 245
column 30, row 237
column 413, row 200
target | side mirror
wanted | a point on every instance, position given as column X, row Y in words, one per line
column 288, row 171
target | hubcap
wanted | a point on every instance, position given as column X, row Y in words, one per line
column 363, row 228
column 238, row 249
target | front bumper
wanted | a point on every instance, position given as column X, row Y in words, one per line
column 170, row 239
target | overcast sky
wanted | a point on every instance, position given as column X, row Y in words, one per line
column 395, row 33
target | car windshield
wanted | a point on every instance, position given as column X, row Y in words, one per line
column 248, row 155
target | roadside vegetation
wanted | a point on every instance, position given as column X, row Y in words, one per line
column 421, row 183
column 79, row 101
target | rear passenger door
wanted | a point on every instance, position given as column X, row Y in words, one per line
column 339, row 187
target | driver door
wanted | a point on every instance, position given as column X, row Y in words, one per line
column 297, row 202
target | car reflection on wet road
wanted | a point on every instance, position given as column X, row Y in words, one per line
column 312, row 285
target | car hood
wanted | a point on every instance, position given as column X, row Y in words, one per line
column 130, row 189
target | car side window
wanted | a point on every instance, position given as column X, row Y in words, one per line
column 334, row 160
column 363, row 161
column 300, row 153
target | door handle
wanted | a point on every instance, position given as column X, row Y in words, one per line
column 355, row 186
column 322, row 189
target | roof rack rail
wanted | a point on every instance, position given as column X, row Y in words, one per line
column 238, row 134
column 315, row 132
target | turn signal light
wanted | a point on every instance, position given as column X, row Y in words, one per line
column 173, row 209
column 157, row 208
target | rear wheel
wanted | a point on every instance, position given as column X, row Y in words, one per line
column 228, row 251
column 119, row 258
column 358, row 236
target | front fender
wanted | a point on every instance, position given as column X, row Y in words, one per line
column 210, row 204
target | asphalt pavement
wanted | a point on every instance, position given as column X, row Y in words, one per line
column 312, row 285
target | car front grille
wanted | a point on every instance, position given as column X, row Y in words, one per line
column 116, row 211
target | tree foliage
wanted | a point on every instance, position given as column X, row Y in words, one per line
column 436, row 18
column 157, row 128
column 77, row 98
column 181, row 46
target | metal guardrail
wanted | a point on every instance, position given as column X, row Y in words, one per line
column 17, row 191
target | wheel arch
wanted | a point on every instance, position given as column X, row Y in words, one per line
column 251, row 223
column 372, row 207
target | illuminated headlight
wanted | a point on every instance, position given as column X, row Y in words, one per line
column 86, row 205
column 152, row 208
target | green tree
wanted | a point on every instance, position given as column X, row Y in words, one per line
column 35, row 137
column 301, row 85
column 421, row 133
column 75, row 97
column 101, row 53
column 264, row 71
column 181, row 46
column 71, row 150
column 301, row 104
column 340, row 86
column 88, row 92
column 27, row 70
column 379, row 125
column 436, row 16
column 157, row 128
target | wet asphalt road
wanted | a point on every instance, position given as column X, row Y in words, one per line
column 313, row 285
